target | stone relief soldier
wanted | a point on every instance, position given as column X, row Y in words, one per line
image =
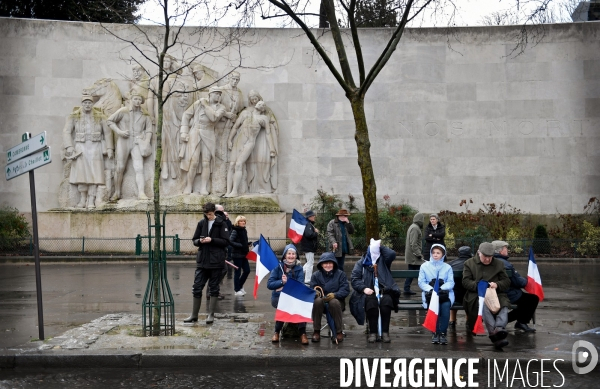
column 139, row 82
column 173, row 110
column 198, row 131
column 172, row 69
column 133, row 129
column 87, row 172
column 249, row 124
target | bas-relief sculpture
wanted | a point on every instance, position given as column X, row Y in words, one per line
column 198, row 127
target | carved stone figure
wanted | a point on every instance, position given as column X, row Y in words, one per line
column 139, row 83
column 133, row 129
column 249, row 124
column 261, row 167
column 170, row 65
column 173, row 110
column 87, row 172
column 198, row 131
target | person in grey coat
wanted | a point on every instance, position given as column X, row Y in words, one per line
column 412, row 252
column 338, row 234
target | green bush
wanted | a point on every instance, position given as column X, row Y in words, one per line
column 13, row 228
column 591, row 242
column 541, row 243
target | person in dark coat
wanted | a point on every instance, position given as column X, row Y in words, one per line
column 289, row 267
column 526, row 302
column 211, row 238
column 458, row 264
column 484, row 267
column 335, row 287
column 309, row 244
column 434, row 233
column 413, row 254
column 338, row 235
column 239, row 244
column 377, row 260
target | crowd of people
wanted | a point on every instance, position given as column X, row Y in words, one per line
column 374, row 291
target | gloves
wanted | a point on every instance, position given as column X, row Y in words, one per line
column 432, row 282
column 329, row 297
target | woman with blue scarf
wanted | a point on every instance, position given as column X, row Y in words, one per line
column 372, row 273
column 428, row 273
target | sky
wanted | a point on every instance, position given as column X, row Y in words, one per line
column 469, row 13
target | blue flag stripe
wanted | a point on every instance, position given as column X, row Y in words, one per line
column 298, row 290
column 298, row 218
column 267, row 256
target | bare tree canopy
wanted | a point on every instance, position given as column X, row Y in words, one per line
column 73, row 10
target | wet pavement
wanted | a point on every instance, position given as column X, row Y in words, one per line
column 95, row 309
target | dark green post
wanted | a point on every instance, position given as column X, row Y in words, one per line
column 83, row 245
column 177, row 244
column 138, row 245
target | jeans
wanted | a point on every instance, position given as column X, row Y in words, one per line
column 241, row 273
column 409, row 280
column 443, row 317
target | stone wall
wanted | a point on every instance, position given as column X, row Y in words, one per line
column 447, row 121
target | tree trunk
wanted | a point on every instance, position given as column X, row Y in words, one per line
column 363, row 146
column 157, row 222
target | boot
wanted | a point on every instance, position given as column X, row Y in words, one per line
column 91, row 202
column 316, row 337
column 443, row 339
column 372, row 338
column 194, row 316
column 385, row 337
column 211, row 309
column 82, row 198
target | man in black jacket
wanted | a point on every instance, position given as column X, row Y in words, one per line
column 211, row 238
column 309, row 244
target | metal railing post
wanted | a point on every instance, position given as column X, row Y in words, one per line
column 177, row 244
column 30, row 245
column 138, row 245
column 83, row 245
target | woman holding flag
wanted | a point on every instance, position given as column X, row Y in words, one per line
column 289, row 267
column 436, row 279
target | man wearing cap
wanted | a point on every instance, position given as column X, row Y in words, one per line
column 526, row 302
column 133, row 128
column 87, row 153
column 198, row 131
column 309, row 244
column 484, row 267
column 338, row 234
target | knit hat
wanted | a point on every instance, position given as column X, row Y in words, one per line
column 486, row 248
column 464, row 251
column 309, row 213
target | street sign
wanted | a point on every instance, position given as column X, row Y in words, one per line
column 29, row 146
column 28, row 163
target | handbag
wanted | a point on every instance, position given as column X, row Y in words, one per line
column 491, row 300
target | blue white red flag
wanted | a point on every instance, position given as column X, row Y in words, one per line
column 434, row 308
column 266, row 260
column 481, row 288
column 297, row 226
column 253, row 254
column 534, row 280
column 295, row 303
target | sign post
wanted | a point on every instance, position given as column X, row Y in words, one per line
column 32, row 153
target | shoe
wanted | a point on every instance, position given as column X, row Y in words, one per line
column 243, row 291
column 435, row 339
column 211, row 310
column 339, row 337
column 275, row 338
column 443, row 339
column 385, row 337
column 372, row 338
column 498, row 334
column 316, row 337
column 409, row 292
column 303, row 339
column 452, row 325
column 239, row 293
column 194, row 316
column 524, row 327
column 500, row 343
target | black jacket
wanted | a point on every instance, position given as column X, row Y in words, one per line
column 239, row 242
column 212, row 255
column 334, row 281
column 437, row 236
column 310, row 239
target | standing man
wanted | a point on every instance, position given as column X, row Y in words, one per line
column 201, row 118
column 309, row 244
column 434, row 234
column 88, row 163
column 133, row 128
column 338, row 234
column 526, row 302
column 412, row 253
column 211, row 238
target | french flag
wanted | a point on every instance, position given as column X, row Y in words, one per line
column 295, row 303
column 253, row 254
column 297, row 226
column 434, row 308
column 534, row 281
column 481, row 288
column 266, row 260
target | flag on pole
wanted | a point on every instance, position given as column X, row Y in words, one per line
column 481, row 288
column 534, row 281
column 253, row 254
column 434, row 308
column 295, row 303
column 266, row 260
column 297, row 226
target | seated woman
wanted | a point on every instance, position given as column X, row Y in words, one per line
column 288, row 268
column 436, row 268
column 377, row 262
column 334, row 284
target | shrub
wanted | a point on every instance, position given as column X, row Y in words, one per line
column 13, row 228
column 514, row 239
column 591, row 242
column 541, row 244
